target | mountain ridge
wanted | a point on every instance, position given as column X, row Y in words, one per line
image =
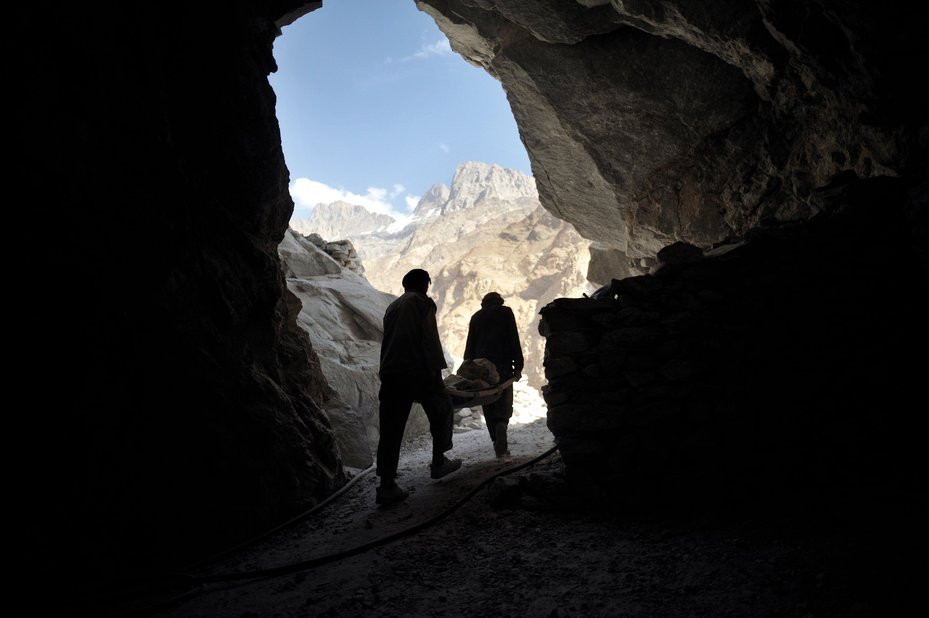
column 486, row 232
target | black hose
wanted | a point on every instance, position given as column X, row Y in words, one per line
column 283, row 525
column 306, row 564
column 194, row 584
column 160, row 584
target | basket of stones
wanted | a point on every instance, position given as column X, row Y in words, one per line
column 475, row 383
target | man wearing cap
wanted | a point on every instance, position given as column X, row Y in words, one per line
column 492, row 334
column 411, row 370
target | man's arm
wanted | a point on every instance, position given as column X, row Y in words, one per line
column 516, row 350
column 470, row 343
column 432, row 346
column 433, row 355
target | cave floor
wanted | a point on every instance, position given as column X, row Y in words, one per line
column 457, row 547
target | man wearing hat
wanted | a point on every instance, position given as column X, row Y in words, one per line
column 492, row 334
column 411, row 370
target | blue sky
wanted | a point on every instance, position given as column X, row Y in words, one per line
column 375, row 108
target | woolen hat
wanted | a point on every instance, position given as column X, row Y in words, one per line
column 415, row 279
column 491, row 298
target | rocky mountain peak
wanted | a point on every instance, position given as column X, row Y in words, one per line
column 431, row 203
column 340, row 219
column 475, row 183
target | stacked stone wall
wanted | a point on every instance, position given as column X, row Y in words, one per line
column 777, row 365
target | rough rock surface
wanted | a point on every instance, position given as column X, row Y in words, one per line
column 693, row 121
column 653, row 382
column 343, row 317
column 172, row 403
column 187, row 406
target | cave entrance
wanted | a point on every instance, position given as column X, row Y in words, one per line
column 382, row 124
column 375, row 108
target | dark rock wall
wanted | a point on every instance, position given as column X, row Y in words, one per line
column 164, row 402
column 182, row 407
column 650, row 122
column 786, row 361
column 780, row 368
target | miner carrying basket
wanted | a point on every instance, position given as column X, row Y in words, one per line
column 492, row 335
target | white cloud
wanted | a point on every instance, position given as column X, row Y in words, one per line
column 308, row 193
column 427, row 50
column 412, row 201
column 444, row 147
column 377, row 193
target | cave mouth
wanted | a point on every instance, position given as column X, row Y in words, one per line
column 375, row 108
column 186, row 412
column 433, row 111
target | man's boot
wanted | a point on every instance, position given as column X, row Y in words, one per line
column 390, row 493
column 443, row 467
column 501, row 448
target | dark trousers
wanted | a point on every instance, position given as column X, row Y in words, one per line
column 396, row 400
column 499, row 411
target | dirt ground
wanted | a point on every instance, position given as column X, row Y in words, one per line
column 478, row 543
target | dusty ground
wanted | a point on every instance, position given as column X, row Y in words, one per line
column 459, row 547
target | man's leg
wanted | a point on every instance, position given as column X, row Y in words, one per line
column 393, row 412
column 497, row 416
column 441, row 415
column 501, row 443
column 489, row 420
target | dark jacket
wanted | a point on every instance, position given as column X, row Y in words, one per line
column 492, row 334
column 411, row 348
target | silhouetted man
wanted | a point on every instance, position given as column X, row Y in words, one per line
column 492, row 334
column 411, row 370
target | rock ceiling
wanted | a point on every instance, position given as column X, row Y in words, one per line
column 650, row 122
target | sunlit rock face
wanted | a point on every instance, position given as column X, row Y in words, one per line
column 343, row 316
column 650, row 122
column 485, row 232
